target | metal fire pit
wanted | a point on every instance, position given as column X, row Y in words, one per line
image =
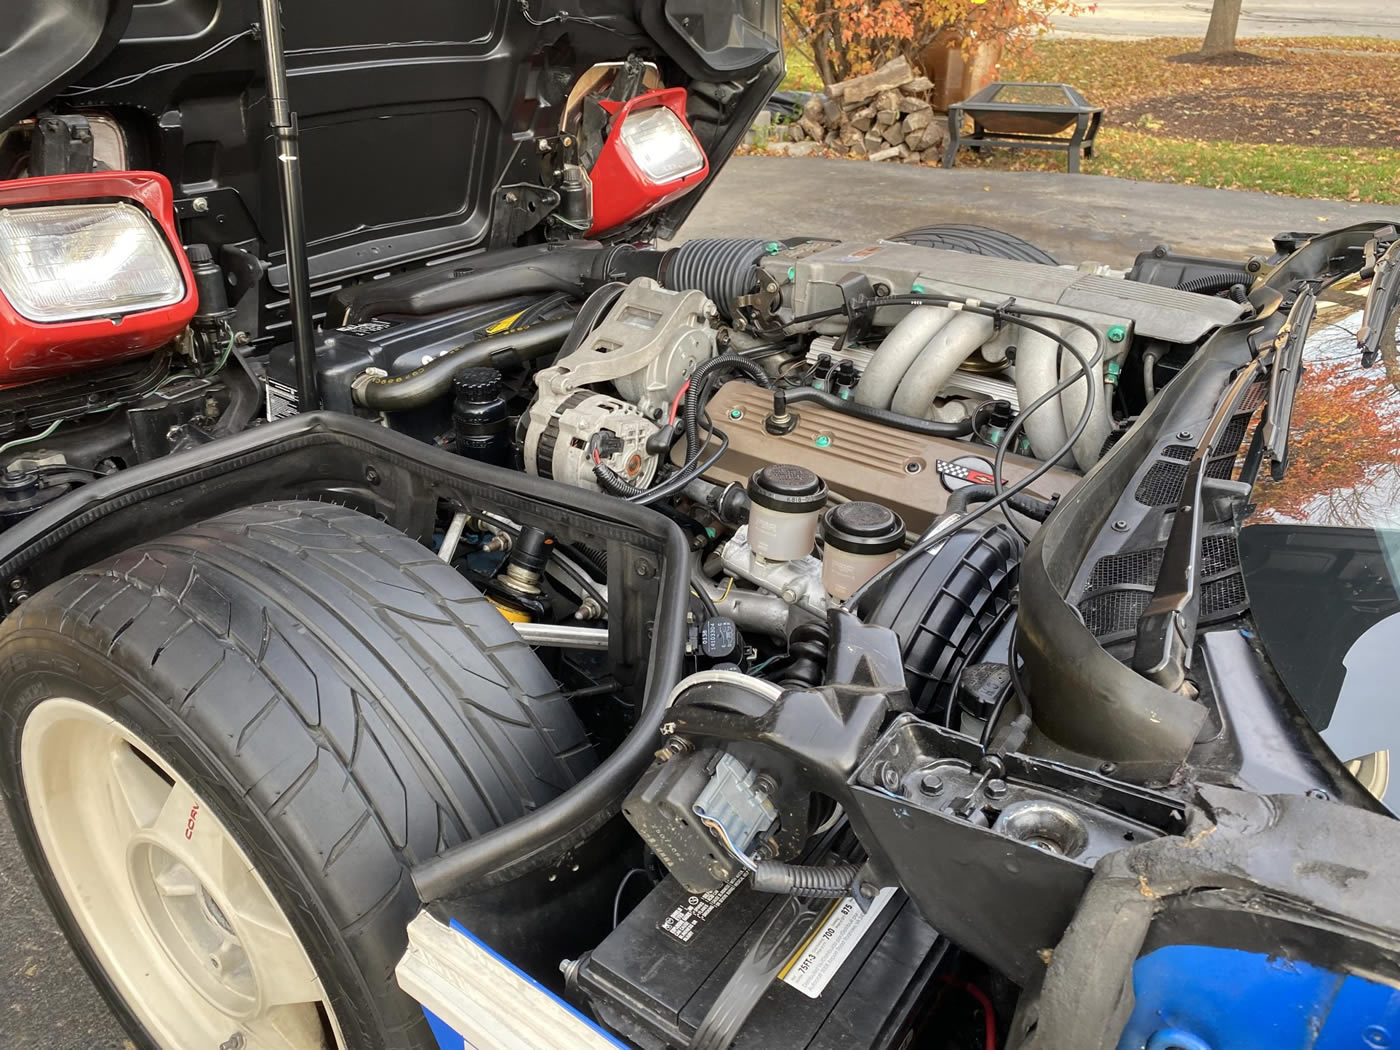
column 1025, row 116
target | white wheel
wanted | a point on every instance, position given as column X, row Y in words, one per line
column 293, row 684
column 174, row 910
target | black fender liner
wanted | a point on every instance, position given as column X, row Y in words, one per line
column 345, row 460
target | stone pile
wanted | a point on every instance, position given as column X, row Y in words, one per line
column 884, row 115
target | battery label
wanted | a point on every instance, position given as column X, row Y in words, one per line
column 831, row 943
column 281, row 400
column 685, row 919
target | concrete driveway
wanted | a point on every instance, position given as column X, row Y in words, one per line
column 1260, row 18
column 46, row 1003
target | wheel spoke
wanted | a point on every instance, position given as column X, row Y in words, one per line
column 286, row 1028
column 138, row 791
column 284, row 973
column 176, row 881
column 179, row 916
column 188, row 830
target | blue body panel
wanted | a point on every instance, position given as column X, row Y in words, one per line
column 1194, row 997
column 446, row 1038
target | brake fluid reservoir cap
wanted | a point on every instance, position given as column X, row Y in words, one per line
column 787, row 489
column 864, row 528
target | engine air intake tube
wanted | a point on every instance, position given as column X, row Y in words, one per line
column 722, row 268
column 900, row 349
column 950, row 346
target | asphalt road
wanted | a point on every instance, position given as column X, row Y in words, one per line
column 1074, row 217
column 1260, row 18
column 46, row 1002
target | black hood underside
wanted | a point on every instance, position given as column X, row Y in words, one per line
column 413, row 116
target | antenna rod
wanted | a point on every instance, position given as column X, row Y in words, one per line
column 288, row 143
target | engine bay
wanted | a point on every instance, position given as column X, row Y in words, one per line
column 859, row 446
column 438, row 607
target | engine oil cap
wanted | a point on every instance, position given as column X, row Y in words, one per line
column 787, row 489
column 863, row 528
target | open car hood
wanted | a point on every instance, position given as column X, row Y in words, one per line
column 413, row 116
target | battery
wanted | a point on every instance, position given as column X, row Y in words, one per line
column 850, row 979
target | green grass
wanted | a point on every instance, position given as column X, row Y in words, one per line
column 1295, row 171
column 1114, row 73
column 801, row 74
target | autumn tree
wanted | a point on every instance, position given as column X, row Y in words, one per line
column 1344, row 445
column 843, row 38
column 1224, row 26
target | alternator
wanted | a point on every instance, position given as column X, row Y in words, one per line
column 560, row 448
column 646, row 348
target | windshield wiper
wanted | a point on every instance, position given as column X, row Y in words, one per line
column 1383, row 267
column 1283, row 380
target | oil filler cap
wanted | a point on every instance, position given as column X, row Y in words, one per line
column 787, row 489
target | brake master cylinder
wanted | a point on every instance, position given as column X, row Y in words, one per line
column 787, row 502
column 861, row 539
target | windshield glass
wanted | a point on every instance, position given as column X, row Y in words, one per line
column 1320, row 548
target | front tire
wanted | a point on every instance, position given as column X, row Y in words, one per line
column 976, row 240
column 224, row 750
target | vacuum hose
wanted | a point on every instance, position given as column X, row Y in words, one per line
column 882, row 416
column 1031, row 507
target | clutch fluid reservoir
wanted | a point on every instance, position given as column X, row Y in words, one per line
column 787, row 504
column 861, row 539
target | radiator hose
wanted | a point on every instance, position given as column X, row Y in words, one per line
column 434, row 380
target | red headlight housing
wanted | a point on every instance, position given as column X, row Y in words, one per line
column 91, row 271
column 650, row 158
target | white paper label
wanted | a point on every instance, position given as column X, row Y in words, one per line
column 811, row 969
column 686, row 918
column 281, row 400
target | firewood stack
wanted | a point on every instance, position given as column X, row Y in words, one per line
column 884, row 115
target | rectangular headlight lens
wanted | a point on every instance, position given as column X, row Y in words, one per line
column 66, row 262
column 662, row 147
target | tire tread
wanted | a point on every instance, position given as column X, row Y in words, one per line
column 367, row 700
column 975, row 240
